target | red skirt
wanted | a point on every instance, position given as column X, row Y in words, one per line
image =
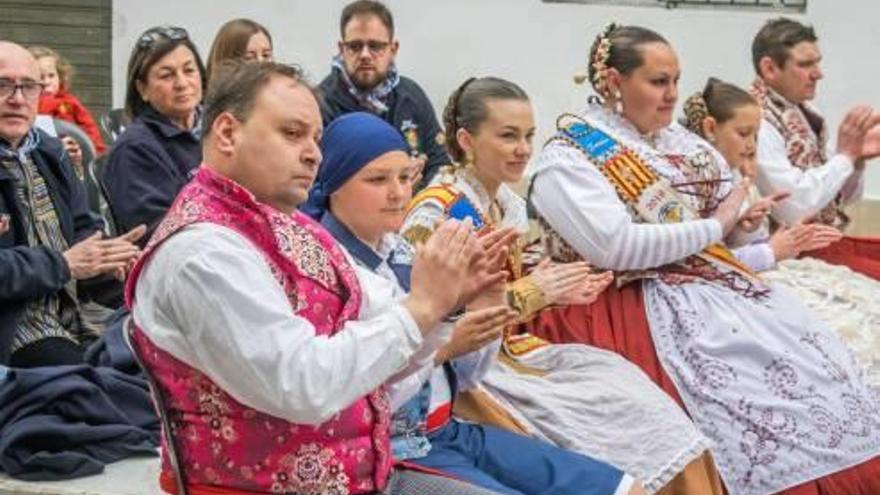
column 860, row 254
column 617, row 321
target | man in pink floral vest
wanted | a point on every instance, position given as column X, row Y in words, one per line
column 793, row 153
column 245, row 313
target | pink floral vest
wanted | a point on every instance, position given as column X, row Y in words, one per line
column 224, row 444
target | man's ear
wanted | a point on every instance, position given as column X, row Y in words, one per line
column 767, row 68
column 225, row 133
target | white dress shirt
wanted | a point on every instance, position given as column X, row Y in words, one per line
column 811, row 190
column 208, row 298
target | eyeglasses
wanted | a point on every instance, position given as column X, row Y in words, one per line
column 357, row 46
column 152, row 35
column 30, row 90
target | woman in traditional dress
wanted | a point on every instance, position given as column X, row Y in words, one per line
column 576, row 396
column 620, row 185
column 729, row 117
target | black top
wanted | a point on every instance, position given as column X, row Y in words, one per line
column 409, row 111
column 148, row 165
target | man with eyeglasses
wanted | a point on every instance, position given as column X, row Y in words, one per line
column 52, row 255
column 365, row 78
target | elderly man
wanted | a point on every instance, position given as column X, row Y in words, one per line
column 365, row 79
column 52, row 254
column 793, row 153
column 252, row 322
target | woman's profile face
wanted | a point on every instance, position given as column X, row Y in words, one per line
column 650, row 92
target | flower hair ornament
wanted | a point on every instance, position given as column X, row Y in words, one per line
column 695, row 112
column 599, row 60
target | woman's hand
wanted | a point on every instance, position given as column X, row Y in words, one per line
column 754, row 217
column 558, row 281
column 588, row 291
column 476, row 329
column 789, row 242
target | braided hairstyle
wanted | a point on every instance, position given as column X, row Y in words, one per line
column 467, row 109
column 718, row 100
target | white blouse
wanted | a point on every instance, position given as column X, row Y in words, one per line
column 579, row 203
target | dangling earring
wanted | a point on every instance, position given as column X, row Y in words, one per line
column 618, row 102
column 468, row 158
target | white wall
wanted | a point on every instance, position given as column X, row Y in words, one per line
column 538, row 45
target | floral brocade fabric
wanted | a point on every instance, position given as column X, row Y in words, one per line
column 222, row 443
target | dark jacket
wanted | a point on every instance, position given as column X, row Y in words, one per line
column 409, row 111
column 148, row 165
column 30, row 272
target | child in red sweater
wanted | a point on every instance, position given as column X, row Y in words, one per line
column 57, row 101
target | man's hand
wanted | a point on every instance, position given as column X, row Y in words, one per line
column 96, row 256
column 74, row 152
column 4, row 224
column 853, row 130
column 871, row 146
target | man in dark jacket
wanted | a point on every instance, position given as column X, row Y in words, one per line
column 52, row 251
column 364, row 78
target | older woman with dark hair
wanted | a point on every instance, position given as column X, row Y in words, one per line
column 240, row 39
column 157, row 154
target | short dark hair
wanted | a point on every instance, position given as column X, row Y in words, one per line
column 366, row 7
column 776, row 38
column 148, row 50
column 236, row 85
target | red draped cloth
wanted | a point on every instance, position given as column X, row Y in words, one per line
column 618, row 322
column 860, row 254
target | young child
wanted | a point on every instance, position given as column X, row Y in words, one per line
column 56, row 100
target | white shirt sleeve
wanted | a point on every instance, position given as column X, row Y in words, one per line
column 208, row 298
column 582, row 206
column 473, row 366
column 811, row 190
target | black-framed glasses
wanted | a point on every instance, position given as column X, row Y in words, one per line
column 152, row 35
column 30, row 90
column 375, row 47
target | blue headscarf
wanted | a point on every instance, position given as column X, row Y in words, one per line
column 349, row 144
